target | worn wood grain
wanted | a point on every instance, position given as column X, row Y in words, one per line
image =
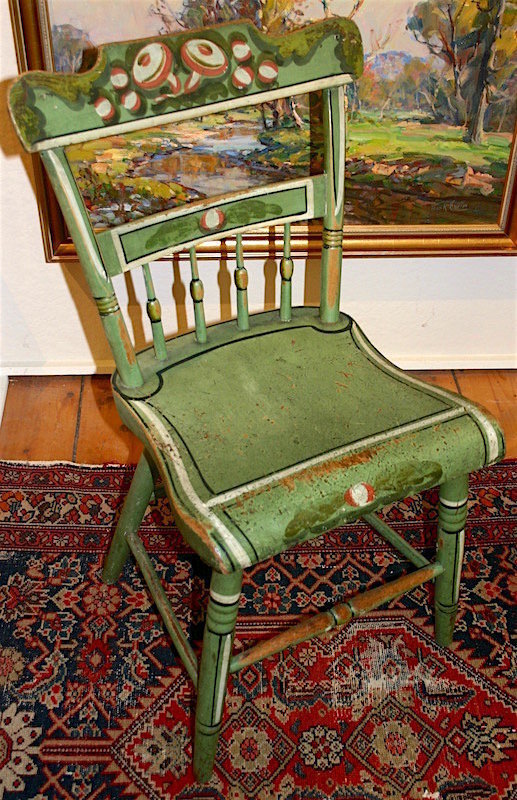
column 102, row 437
column 437, row 377
column 39, row 420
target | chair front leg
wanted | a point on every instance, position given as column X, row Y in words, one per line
column 131, row 517
column 452, row 513
column 221, row 615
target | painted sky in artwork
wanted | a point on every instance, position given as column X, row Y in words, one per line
column 107, row 20
column 374, row 18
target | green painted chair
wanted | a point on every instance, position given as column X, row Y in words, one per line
column 273, row 428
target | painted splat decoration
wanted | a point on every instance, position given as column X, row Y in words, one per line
column 172, row 74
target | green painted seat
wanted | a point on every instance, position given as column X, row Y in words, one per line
column 272, row 428
column 266, row 438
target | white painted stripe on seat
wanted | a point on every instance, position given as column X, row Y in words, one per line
column 491, row 435
column 442, row 416
column 164, row 441
column 468, row 406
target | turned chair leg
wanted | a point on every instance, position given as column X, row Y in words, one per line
column 133, row 510
column 452, row 513
column 221, row 615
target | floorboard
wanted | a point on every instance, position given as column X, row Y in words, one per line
column 101, row 437
column 40, row 418
column 438, row 377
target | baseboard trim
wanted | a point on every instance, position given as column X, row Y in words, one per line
column 58, row 368
column 409, row 362
column 456, row 362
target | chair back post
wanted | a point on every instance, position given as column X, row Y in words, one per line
column 334, row 162
column 100, row 284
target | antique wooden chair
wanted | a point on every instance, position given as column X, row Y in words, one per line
column 275, row 427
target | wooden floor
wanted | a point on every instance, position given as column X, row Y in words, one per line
column 74, row 418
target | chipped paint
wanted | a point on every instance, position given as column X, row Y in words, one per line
column 327, row 468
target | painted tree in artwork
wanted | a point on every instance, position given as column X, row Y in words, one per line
column 69, row 44
column 475, row 41
column 271, row 16
column 482, row 86
column 443, row 27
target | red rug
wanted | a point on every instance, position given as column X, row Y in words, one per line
column 94, row 704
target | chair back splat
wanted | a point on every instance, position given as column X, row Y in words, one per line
column 269, row 429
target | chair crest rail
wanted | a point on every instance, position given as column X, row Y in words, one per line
column 137, row 84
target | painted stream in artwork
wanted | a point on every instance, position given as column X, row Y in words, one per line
column 215, row 165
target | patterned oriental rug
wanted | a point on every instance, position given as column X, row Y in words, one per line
column 94, row 703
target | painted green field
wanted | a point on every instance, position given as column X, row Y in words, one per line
column 401, row 172
column 389, row 140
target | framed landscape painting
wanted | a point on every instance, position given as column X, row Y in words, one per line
column 431, row 154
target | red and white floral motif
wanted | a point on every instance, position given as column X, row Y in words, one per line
column 267, row 71
column 101, row 598
column 212, row 220
column 321, row 747
column 204, row 57
column 152, row 65
column 119, row 78
column 131, row 101
column 174, row 83
column 242, row 77
column 104, row 108
column 360, row 494
column 241, row 50
column 192, row 82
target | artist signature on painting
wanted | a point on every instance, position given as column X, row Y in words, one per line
column 453, row 206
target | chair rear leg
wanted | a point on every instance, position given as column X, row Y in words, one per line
column 221, row 615
column 131, row 517
column 452, row 513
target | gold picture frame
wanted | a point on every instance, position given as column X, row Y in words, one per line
column 32, row 35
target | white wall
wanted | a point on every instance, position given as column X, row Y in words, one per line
column 421, row 312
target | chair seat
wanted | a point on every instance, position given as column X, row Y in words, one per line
column 290, row 429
